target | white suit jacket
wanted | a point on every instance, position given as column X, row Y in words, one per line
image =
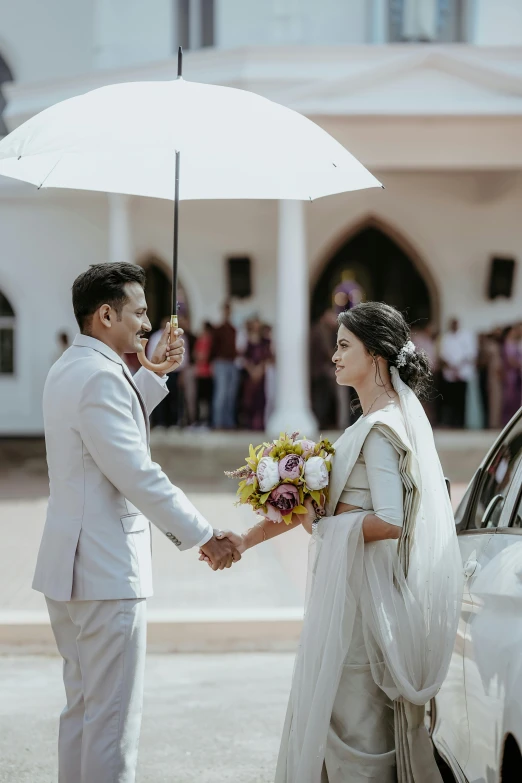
column 104, row 487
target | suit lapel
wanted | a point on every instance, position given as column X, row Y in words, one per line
column 141, row 401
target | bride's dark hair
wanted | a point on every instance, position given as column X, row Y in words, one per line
column 383, row 331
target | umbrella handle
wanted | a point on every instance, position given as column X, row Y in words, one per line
column 162, row 367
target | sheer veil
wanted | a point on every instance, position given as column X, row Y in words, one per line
column 414, row 625
column 409, row 596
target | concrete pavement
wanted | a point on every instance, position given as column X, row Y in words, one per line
column 207, row 718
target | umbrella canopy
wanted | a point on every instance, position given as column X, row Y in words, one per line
column 234, row 144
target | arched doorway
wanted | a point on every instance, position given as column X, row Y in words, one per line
column 158, row 289
column 383, row 269
column 7, row 336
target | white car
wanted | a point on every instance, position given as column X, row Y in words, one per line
column 476, row 718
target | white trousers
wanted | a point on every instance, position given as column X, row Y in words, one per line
column 103, row 646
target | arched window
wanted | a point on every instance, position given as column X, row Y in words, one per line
column 158, row 290
column 428, row 21
column 7, row 336
column 5, row 76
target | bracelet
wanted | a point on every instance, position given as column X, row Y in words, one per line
column 260, row 527
column 315, row 523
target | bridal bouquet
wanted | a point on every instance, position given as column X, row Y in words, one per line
column 278, row 477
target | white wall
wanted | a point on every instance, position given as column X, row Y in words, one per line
column 46, row 39
column 128, row 32
column 209, row 231
column 45, row 244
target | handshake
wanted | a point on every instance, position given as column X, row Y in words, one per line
column 222, row 550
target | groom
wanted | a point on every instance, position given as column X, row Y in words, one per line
column 94, row 563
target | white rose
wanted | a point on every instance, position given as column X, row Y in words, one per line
column 316, row 473
column 268, row 474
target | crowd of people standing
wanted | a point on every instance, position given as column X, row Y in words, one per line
column 226, row 380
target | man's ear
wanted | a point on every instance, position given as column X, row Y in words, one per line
column 104, row 314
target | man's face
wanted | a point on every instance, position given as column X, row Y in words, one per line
column 133, row 322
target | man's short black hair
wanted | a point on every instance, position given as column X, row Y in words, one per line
column 103, row 284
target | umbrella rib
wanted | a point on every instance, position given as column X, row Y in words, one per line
column 50, row 172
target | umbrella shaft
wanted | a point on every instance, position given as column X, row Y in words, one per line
column 174, row 310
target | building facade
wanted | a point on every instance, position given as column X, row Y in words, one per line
column 426, row 93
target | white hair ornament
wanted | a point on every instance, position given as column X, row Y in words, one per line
column 407, row 350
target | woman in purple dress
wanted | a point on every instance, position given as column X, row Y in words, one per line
column 512, row 356
column 255, row 358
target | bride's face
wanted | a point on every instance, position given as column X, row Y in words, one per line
column 352, row 361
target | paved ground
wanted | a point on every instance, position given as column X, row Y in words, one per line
column 210, row 719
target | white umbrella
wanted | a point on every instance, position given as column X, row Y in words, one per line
column 129, row 138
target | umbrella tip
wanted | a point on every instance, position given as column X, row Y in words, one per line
column 180, row 62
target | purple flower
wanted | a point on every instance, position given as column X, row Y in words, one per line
column 307, row 445
column 290, row 466
column 285, row 498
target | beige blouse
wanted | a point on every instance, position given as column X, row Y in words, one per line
column 375, row 482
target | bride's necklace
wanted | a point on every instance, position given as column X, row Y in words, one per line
column 375, row 400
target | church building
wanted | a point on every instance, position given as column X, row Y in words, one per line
column 427, row 94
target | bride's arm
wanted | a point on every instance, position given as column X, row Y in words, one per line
column 374, row 529
column 265, row 530
column 382, row 465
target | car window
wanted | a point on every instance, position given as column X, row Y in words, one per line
column 516, row 520
column 496, row 481
column 461, row 514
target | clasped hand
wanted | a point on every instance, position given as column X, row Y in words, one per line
column 222, row 550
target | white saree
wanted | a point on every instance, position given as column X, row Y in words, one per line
column 399, row 603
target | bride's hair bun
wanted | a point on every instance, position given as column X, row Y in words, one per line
column 384, row 332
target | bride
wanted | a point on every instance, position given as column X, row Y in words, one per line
column 384, row 581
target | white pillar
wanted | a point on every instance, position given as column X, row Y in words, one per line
column 379, row 27
column 292, row 409
column 120, row 233
column 194, row 24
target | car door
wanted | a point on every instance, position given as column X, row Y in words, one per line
column 494, row 632
column 476, row 520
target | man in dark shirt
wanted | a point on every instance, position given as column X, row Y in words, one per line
column 226, row 374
